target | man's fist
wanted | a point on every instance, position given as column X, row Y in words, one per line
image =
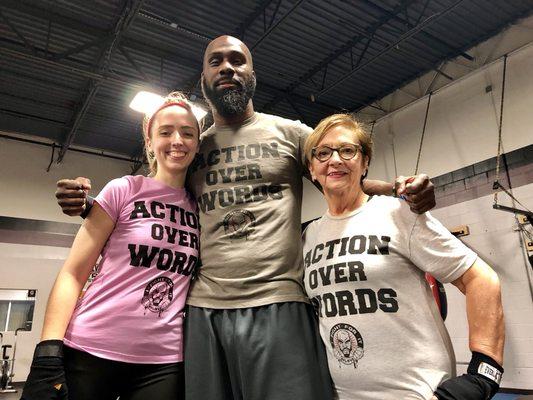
column 71, row 195
column 417, row 190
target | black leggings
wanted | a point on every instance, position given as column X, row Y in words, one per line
column 90, row 378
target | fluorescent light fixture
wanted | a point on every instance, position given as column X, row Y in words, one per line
column 147, row 103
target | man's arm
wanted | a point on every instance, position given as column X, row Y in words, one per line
column 72, row 196
column 418, row 191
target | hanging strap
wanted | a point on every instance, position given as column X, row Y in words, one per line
column 423, row 133
column 496, row 185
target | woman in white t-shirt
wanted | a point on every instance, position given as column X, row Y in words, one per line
column 365, row 260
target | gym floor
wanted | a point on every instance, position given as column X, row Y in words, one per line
column 500, row 396
column 12, row 396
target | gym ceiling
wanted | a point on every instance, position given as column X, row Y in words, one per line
column 69, row 68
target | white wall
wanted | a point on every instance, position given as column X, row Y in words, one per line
column 494, row 238
column 29, row 267
column 28, row 192
column 462, row 126
column 462, row 129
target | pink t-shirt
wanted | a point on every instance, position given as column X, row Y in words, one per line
column 133, row 309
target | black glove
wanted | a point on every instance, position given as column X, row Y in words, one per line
column 481, row 381
column 46, row 380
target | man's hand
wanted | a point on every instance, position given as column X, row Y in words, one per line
column 418, row 192
column 71, row 195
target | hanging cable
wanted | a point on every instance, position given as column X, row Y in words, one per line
column 496, row 185
column 393, row 152
column 51, row 158
column 423, row 133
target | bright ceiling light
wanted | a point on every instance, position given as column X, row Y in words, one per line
column 147, row 103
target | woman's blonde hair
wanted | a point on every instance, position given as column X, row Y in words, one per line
column 346, row 120
column 173, row 98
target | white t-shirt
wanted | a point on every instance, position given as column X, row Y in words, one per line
column 382, row 330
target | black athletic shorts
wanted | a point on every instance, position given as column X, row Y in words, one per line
column 272, row 352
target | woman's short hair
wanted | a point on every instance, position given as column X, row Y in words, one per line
column 346, row 120
column 173, row 97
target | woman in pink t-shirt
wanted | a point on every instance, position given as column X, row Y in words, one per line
column 123, row 336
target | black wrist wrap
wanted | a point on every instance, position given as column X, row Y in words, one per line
column 483, row 365
column 89, row 201
column 49, row 348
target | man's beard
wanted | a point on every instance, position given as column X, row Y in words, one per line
column 231, row 101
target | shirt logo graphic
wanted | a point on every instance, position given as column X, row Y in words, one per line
column 239, row 224
column 347, row 343
column 158, row 295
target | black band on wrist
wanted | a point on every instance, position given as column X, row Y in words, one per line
column 88, row 205
column 49, row 348
column 483, row 365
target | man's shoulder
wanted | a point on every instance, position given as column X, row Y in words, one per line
column 283, row 122
column 269, row 121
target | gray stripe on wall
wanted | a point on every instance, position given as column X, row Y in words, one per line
column 474, row 181
column 37, row 232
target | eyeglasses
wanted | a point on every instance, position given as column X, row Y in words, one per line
column 346, row 152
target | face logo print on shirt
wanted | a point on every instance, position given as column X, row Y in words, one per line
column 347, row 343
column 158, row 295
column 239, row 224
column 94, row 273
column 92, row 276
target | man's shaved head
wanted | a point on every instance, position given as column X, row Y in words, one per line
column 227, row 41
column 228, row 77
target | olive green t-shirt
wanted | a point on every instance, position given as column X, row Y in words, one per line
column 247, row 180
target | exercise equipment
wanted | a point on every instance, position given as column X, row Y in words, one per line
column 8, row 365
column 5, row 369
column 497, row 185
column 4, row 365
column 439, row 294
